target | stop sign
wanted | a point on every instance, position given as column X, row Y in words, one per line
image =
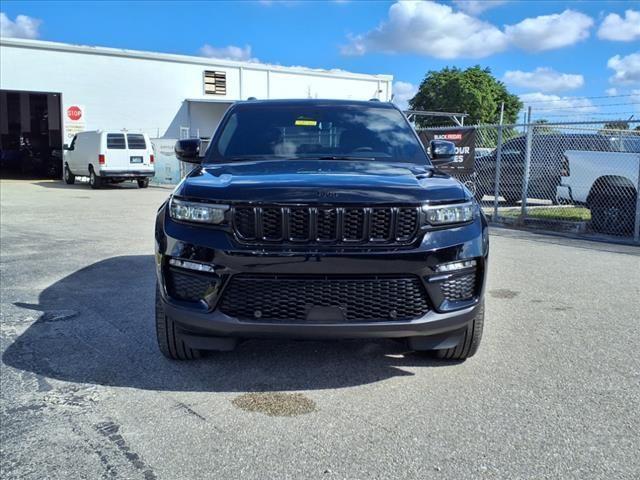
column 74, row 112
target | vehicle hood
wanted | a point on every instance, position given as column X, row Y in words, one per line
column 320, row 181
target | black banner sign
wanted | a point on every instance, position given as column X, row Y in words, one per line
column 465, row 141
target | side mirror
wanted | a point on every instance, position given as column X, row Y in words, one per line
column 66, row 146
column 441, row 152
column 188, row 150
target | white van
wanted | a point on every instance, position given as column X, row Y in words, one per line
column 109, row 157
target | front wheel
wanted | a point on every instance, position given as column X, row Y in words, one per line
column 143, row 182
column 470, row 342
column 169, row 341
column 69, row 177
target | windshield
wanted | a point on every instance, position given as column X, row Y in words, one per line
column 332, row 132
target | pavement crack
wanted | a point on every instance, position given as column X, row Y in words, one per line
column 110, row 430
column 190, row 411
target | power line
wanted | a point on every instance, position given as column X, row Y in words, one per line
column 555, row 115
column 578, row 98
column 593, row 105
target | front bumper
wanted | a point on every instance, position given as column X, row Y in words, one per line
column 126, row 173
column 444, row 322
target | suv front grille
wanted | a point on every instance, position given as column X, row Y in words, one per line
column 326, row 225
column 288, row 299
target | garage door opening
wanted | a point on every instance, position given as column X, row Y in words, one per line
column 30, row 134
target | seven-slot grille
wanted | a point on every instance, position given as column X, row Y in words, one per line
column 289, row 298
column 331, row 225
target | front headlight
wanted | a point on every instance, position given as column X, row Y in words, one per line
column 197, row 212
column 449, row 214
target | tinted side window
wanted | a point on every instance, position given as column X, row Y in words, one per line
column 631, row 144
column 136, row 141
column 115, row 141
column 513, row 147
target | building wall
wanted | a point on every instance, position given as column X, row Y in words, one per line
column 142, row 92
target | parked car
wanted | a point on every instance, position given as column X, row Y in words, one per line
column 606, row 182
column 319, row 219
column 483, row 152
column 109, row 157
column 545, row 168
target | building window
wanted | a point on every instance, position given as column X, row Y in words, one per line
column 215, row 83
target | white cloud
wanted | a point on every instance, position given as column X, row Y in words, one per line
column 402, row 93
column 611, row 91
column 541, row 103
column 230, row 52
column 432, row 29
column 548, row 32
column 22, row 27
column 626, row 29
column 544, row 79
column 476, row 7
column 627, row 69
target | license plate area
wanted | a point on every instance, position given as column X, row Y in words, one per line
column 135, row 159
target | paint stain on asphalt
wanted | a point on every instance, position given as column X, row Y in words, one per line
column 275, row 404
column 504, row 293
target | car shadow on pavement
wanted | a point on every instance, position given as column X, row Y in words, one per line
column 97, row 326
column 84, row 185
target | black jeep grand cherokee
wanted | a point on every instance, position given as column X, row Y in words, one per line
column 319, row 219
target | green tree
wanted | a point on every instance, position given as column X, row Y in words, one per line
column 474, row 91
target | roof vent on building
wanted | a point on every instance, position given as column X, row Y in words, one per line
column 215, row 83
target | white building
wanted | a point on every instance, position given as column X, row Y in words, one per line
column 49, row 91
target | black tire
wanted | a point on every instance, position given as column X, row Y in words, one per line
column 613, row 214
column 69, row 177
column 95, row 181
column 143, row 182
column 169, row 341
column 469, row 344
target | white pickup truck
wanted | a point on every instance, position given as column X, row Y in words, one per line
column 605, row 182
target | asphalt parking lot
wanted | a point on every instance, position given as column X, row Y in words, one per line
column 554, row 391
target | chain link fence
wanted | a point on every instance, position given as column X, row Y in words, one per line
column 579, row 177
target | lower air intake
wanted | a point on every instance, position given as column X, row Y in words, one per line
column 460, row 288
column 289, row 299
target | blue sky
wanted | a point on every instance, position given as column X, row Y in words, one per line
column 553, row 54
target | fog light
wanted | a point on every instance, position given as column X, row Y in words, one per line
column 450, row 267
column 198, row 267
